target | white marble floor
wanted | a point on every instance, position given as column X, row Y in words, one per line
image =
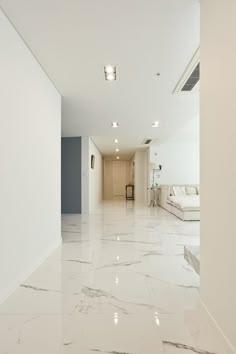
column 119, row 284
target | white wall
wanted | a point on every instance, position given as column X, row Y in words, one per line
column 179, row 160
column 92, row 179
column 218, row 169
column 30, row 129
column 179, row 156
column 95, row 177
column 140, row 176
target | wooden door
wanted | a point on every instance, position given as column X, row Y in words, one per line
column 119, row 179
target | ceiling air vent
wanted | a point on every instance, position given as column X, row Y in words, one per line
column 191, row 75
column 147, row 141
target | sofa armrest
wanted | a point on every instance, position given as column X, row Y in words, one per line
column 164, row 193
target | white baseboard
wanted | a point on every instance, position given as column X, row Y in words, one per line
column 26, row 273
column 219, row 329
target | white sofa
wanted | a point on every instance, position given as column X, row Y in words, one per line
column 181, row 200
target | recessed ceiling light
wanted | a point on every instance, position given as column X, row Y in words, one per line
column 155, row 124
column 109, row 69
column 114, row 124
column 116, row 141
column 118, row 157
column 110, row 72
column 117, row 150
column 111, row 77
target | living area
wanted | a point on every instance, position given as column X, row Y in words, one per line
column 174, row 176
column 174, row 172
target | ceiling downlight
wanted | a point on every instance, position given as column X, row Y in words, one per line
column 155, row 124
column 110, row 72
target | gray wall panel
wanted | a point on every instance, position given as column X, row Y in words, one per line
column 71, row 175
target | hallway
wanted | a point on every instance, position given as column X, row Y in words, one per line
column 119, row 284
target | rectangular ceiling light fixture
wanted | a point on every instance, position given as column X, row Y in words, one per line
column 110, row 72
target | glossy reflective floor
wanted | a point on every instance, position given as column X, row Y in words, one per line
column 118, row 285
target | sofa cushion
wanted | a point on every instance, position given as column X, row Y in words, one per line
column 171, row 192
column 178, row 190
column 191, row 190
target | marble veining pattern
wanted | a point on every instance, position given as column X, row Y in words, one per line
column 113, row 352
column 36, row 288
column 78, row 261
column 119, row 284
column 186, row 347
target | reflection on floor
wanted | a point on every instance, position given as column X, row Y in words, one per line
column 118, row 285
column 192, row 256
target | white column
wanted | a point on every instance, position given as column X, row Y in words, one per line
column 218, row 166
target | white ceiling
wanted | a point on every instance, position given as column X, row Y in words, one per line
column 126, row 145
column 74, row 39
